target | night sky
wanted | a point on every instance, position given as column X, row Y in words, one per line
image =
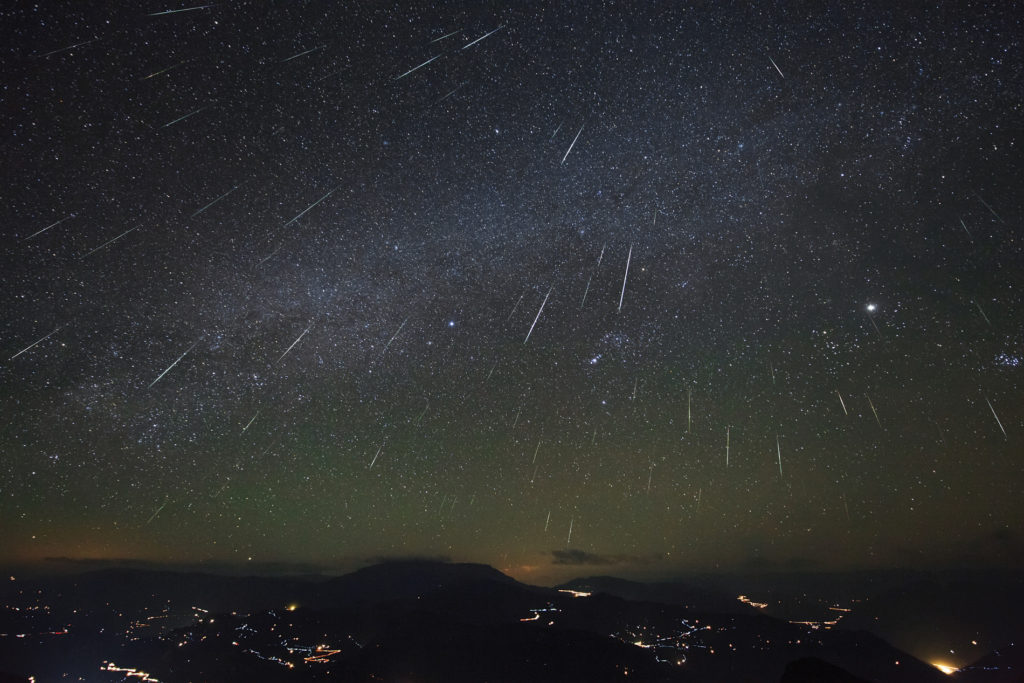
column 629, row 288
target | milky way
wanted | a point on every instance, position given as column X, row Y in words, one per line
column 665, row 286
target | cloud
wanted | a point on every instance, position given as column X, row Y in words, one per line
column 789, row 564
column 83, row 564
column 102, row 562
column 405, row 559
column 999, row 546
column 580, row 557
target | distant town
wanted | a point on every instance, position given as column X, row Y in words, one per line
column 390, row 620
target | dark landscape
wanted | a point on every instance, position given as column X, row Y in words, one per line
column 433, row 621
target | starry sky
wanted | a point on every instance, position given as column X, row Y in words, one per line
column 565, row 288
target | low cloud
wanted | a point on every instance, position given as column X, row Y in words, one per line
column 84, row 564
column 408, row 559
column 790, row 564
column 580, row 557
column 103, row 562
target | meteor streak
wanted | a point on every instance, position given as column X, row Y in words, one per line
column 623, row 295
column 51, row 225
column 38, row 341
column 538, row 314
column 398, row 78
column 177, row 11
column 293, row 344
column 304, row 211
column 572, row 145
column 483, row 36
column 169, row 367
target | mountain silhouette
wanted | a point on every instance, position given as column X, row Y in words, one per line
column 425, row 621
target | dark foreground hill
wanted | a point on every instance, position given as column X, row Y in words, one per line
column 423, row 621
column 1003, row 665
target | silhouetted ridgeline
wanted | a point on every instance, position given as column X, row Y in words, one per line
column 425, row 621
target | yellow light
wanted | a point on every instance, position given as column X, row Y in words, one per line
column 947, row 669
column 292, row 607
